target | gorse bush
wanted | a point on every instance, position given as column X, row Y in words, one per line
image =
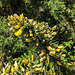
column 39, row 49
column 41, row 45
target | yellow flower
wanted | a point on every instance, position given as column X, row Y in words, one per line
column 27, row 35
column 42, row 59
column 28, row 40
column 43, row 26
column 53, row 49
column 58, row 63
column 12, row 18
column 46, row 62
column 52, row 53
column 67, row 22
column 30, row 30
column 63, row 55
column 51, row 72
column 21, row 16
column 7, row 69
column 32, row 57
column 39, row 65
column 16, row 65
column 53, row 28
column 69, row 64
column 26, row 18
column 57, row 50
column 34, row 23
column 12, row 70
column 30, row 21
column 3, row 21
column 42, row 54
column 3, row 71
column 18, row 33
column 48, row 31
column 25, row 61
column 22, row 22
column 37, row 43
column 54, row 33
column 36, row 66
column 17, row 26
column 37, row 70
column 18, row 17
column 39, row 23
column 31, row 34
column 22, row 69
column 27, row 73
column 45, row 35
column 13, row 21
column 60, row 47
column 49, row 47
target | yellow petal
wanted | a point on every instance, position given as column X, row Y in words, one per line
column 31, row 34
column 69, row 64
column 53, row 28
column 22, row 69
column 12, row 70
column 67, row 22
column 30, row 21
column 3, row 70
column 49, row 48
column 3, row 21
column 42, row 59
column 32, row 57
column 25, row 61
column 30, row 30
column 42, row 54
column 2, row 74
column 51, row 72
column 18, row 33
column 54, row 33
column 39, row 23
column 27, row 73
column 58, row 63
column 7, row 70
column 46, row 62
column 17, row 26
column 63, row 55
column 60, row 47
column 16, row 65
column 52, row 53
column 26, row 18
column 57, row 50
column 18, row 17
column 28, row 40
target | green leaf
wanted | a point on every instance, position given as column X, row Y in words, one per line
column 25, row 55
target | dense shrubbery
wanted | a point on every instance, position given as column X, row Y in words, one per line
column 43, row 45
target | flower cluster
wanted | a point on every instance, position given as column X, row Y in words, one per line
column 42, row 51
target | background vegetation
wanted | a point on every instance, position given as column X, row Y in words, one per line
column 37, row 37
